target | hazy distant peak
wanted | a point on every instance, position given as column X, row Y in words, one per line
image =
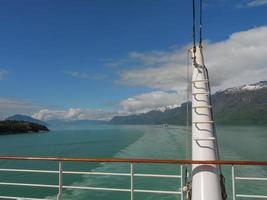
column 25, row 118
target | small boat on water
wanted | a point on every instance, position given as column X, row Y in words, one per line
column 165, row 125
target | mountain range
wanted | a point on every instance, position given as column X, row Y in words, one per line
column 243, row 105
column 246, row 105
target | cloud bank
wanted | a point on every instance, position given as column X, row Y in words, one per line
column 149, row 101
column 73, row 114
column 241, row 59
column 11, row 106
column 255, row 3
column 238, row 60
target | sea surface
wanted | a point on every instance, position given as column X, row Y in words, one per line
column 235, row 143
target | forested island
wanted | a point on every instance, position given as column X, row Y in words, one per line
column 17, row 127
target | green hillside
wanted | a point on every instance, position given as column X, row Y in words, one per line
column 234, row 106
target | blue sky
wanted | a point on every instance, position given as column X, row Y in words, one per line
column 84, row 58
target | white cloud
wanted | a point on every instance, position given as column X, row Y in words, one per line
column 239, row 60
column 3, row 73
column 73, row 114
column 138, row 104
column 149, row 101
column 83, row 75
column 255, row 3
column 11, row 106
column 160, row 70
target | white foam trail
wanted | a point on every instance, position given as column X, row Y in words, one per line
column 155, row 143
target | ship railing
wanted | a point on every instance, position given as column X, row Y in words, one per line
column 132, row 162
column 249, row 196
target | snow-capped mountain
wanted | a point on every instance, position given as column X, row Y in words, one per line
column 245, row 104
column 249, row 87
column 163, row 109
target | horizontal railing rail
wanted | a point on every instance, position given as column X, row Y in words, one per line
column 61, row 172
column 131, row 174
column 250, row 196
column 126, row 160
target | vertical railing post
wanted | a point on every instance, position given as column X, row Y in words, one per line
column 233, row 182
column 181, row 185
column 59, row 195
column 132, row 181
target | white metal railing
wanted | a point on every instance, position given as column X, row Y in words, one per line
column 234, row 178
column 60, row 185
column 132, row 174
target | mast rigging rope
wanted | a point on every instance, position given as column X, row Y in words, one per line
column 200, row 23
column 187, row 107
column 194, row 30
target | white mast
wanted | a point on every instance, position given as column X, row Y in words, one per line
column 205, row 178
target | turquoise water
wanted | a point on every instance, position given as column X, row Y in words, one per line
column 237, row 143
